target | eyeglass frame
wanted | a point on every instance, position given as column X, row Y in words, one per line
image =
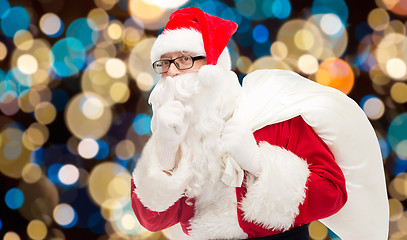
column 173, row 61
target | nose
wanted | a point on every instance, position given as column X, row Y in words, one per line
column 173, row 70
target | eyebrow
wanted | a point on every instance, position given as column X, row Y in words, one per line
column 182, row 53
column 167, row 57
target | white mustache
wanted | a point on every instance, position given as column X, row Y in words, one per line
column 181, row 88
column 168, row 89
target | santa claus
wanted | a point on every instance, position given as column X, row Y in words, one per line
column 260, row 161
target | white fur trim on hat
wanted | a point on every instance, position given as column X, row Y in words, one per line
column 186, row 40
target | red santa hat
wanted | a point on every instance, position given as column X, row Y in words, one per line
column 192, row 30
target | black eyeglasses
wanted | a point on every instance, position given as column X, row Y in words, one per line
column 182, row 63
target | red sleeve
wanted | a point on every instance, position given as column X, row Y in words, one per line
column 153, row 221
column 326, row 190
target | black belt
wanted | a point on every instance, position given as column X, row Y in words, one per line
column 298, row 233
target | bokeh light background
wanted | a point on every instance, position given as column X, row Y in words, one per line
column 75, row 77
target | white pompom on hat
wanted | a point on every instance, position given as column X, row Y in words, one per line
column 192, row 30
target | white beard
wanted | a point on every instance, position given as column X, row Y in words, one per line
column 212, row 103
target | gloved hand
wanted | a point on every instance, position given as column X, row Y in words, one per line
column 172, row 121
column 238, row 140
column 172, row 125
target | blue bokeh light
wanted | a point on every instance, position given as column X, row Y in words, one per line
column 232, row 14
column 397, row 133
column 384, row 148
column 141, row 124
column 365, row 60
column 256, row 10
column 23, row 80
column 400, row 166
column 267, row 8
column 2, row 75
column 15, row 84
column 82, row 29
column 68, row 57
column 103, row 150
column 337, row 7
column 360, row 61
column 7, row 88
column 13, row 20
column 4, row 7
column 53, row 171
column 260, row 34
column 1, row 224
column 17, row 125
column 244, row 26
column 246, row 7
column 370, row 63
column 213, row 7
column 281, row 9
column 122, row 162
column 14, row 198
column 37, row 156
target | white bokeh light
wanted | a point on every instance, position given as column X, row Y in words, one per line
column 27, row 64
column 68, row 174
column 92, row 107
column 11, row 236
column 115, row 68
column 373, row 108
column 172, row 4
column 88, row 148
column 308, row 64
column 331, row 24
column 128, row 221
column 401, row 149
column 64, row 214
column 396, row 68
column 50, row 23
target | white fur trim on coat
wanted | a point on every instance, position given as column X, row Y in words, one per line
column 187, row 40
column 155, row 189
column 273, row 198
column 215, row 215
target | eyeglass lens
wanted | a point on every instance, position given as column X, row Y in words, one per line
column 184, row 62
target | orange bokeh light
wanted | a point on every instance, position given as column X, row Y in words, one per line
column 336, row 73
column 397, row 6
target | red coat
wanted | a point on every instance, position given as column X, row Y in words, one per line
column 325, row 191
